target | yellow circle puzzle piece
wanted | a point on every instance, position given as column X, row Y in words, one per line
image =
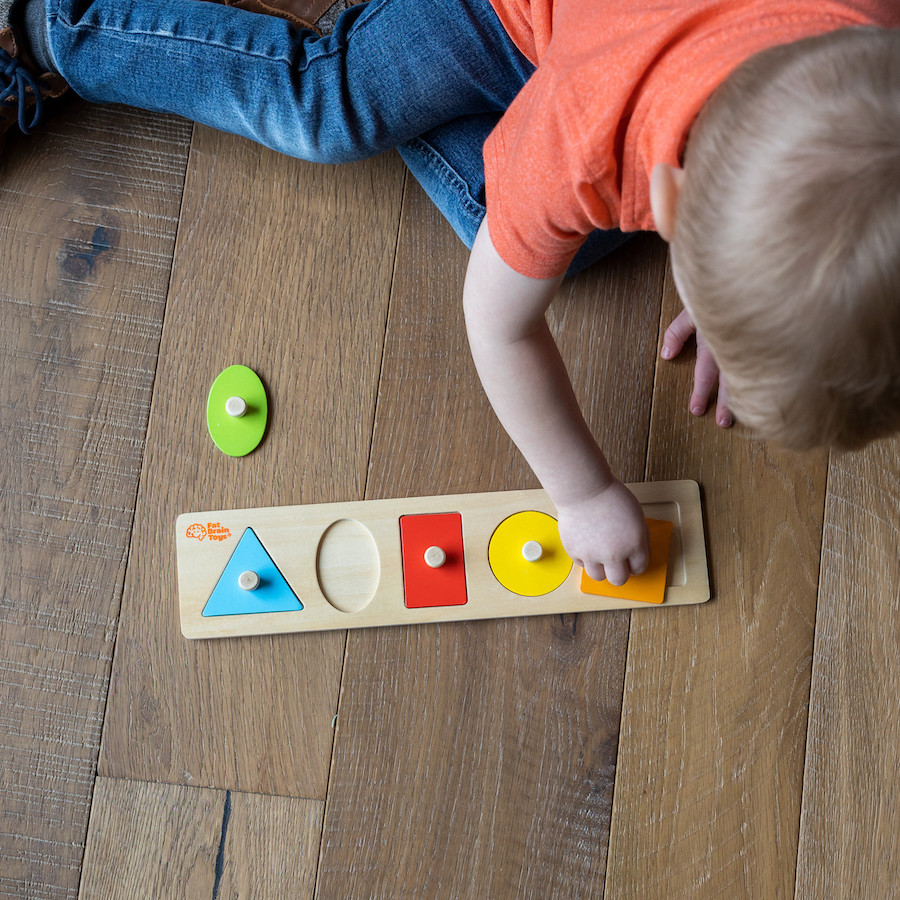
column 519, row 565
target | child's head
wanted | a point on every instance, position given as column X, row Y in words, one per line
column 786, row 242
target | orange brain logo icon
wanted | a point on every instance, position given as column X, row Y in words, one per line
column 196, row 531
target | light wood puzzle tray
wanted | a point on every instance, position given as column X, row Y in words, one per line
column 343, row 562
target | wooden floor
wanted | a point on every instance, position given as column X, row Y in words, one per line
column 749, row 747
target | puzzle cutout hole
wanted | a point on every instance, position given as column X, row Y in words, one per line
column 348, row 565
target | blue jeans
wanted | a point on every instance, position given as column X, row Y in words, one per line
column 429, row 77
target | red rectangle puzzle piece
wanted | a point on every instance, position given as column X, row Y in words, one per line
column 434, row 572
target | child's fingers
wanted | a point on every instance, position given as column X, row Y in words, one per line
column 595, row 570
column 617, row 573
column 677, row 335
column 638, row 562
column 724, row 416
column 706, row 377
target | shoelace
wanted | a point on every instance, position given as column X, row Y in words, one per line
column 15, row 80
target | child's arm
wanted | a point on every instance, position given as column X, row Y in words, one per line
column 601, row 523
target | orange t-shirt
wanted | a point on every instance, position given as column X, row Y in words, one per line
column 616, row 89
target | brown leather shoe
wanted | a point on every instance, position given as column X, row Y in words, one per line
column 317, row 15
column 23, row 87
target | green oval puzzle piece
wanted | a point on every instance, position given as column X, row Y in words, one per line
column 237, row 435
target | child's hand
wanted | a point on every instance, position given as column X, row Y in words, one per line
column 606, row 534
column 706, row 372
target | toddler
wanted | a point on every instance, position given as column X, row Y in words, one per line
column 760, row 137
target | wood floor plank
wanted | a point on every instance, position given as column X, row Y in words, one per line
column 850, row 827
column 283, row 266
column 271, row 847
column 707, row 800
column 165, row 842
column 151, row 841
column 477, row 760
column 88, row 212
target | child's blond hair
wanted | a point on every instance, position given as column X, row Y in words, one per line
column 786, row 249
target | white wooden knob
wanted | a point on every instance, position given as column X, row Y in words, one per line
column 248, row 581
column 236, row 406
column 532, row 551
column 435, row 557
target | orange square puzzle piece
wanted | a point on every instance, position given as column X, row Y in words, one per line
column 649, row 587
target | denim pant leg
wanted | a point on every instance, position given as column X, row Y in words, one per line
column 391, row 70
column 449, row 164
column 432, row 74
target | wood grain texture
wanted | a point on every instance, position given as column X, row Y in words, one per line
column 850, row 827
column 285, row 267
column 270, row 848
column 707, row 800
column 86, row 242
column 477, row 760
column 152, row 841
column 167, row 842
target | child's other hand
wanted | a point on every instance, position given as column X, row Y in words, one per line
column 606, row 534
column 706, row 372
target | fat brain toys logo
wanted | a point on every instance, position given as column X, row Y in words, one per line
column 213, row 530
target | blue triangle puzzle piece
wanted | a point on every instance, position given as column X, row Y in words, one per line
column 273, row 594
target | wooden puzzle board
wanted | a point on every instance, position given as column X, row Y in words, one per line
column 343, row 561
